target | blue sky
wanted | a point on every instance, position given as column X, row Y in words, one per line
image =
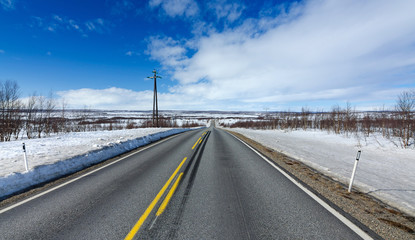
column 212, row 55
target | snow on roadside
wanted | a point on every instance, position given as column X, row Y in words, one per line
column 57, row 156
column 385, row 171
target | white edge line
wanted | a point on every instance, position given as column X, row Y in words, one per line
column 339, row 216
column 82, row 176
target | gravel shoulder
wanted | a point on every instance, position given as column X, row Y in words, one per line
column 386, row 221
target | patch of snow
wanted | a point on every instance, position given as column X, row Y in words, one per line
column 384, row 171
column 50, row 158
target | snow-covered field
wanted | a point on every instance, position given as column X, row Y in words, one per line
column 56, row 156
column 385, row 170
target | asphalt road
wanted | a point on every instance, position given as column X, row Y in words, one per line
column 217, row 188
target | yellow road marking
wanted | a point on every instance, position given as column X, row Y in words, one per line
column 196, row 143
column 200, row 140
column 143, row 217
column 168, row 197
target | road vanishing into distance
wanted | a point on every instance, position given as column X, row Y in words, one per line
column 202, row 184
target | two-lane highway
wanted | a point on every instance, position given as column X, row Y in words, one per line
column 203, row 184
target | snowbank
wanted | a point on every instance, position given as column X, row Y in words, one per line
column 385, row 170
column 53, row 157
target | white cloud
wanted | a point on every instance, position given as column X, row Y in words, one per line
column 229, row 11
column 131, row 53
column 2, row 51
column 98, row 25
column 74, row 25
column 57, row 18
column 8, row 4
column 167, row 51
column 36, row 22
column 51, row 28
column 100, row 21
column 319, row 50
column 174, row 8
column 109, row 98
column 124, row 99
column 90, row 26
column 57, row 23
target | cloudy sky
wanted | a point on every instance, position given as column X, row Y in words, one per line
column 212, row 55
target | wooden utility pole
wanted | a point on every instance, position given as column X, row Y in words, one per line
column 155, row 103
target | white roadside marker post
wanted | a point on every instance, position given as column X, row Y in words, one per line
column 25, row 158
column 354, row 170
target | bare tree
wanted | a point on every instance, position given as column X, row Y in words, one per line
column 31, row 111
column 50, row 105
column 383, row 119
column 63, row 122
column 40, row 116
column 305, row 113
column 336, row 118
column 405, row 106
column 10, row 106
column 82, row 117
column 349, row 119
column 367, row 124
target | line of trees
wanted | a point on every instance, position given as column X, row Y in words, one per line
column 42, row 116
column 39, row 116
column 399, row 122
column 34, row 117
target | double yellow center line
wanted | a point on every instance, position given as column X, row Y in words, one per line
column 166, row 201
column 198, row 140
column 169, row 195
column 143, row 217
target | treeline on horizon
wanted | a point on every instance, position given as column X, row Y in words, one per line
column 41, row 116
column 399, row 122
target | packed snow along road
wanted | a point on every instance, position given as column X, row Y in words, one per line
column 56, row 156
column 384, row 171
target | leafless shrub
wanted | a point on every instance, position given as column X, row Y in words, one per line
column 131, row 125
column 190, row 124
